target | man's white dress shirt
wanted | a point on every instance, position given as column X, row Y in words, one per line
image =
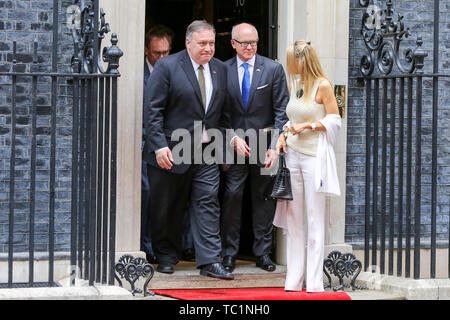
column 241, row 70
column 149, row 65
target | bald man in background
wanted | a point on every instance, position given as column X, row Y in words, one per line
column 258, row 96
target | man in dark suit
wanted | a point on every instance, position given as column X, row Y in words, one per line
column 158, row 41
column 258, row 97
column 188, row 96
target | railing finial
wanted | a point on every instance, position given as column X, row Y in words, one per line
column 112, row 54
column 419, row 56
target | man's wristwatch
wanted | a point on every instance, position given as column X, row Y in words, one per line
column 313, row 126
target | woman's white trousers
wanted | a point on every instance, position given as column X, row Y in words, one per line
column 304, row 243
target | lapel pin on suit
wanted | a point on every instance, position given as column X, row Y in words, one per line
column 258, row 70
column 214, row 71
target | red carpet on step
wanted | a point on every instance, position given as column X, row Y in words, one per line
column 250, row 294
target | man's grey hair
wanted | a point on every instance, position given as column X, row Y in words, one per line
column 198, row 25
column 233, row 30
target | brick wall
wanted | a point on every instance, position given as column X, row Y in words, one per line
column 418, row 16
column 24, row 21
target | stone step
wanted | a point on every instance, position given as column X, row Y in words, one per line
column 246, row 275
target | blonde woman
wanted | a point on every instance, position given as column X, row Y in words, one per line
column 308, row 142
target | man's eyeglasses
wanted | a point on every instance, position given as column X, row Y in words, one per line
column 159, row 53
column 244, row 45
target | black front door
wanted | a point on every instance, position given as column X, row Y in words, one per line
column 262, row 14
column 223, row 14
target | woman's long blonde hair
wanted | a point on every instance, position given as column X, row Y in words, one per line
column 301, row 57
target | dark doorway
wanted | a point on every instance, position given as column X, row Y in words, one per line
column 223, row 14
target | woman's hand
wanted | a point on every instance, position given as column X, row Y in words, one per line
column 299, row 127
column 281, row 144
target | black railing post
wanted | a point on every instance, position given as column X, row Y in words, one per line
column 112, row 55
column 12, row 166
column 401, row 106
column 106, row 179
column 392, row 177
column 100, row 174
column 367, row 172
column 51, row 225
column 434, row 139
column 75, row 181
column 419, row 56
column 375, row 174
column 383, row 176
column 113, row 183
column 82, row 178
column 94, row 144
column 87, row 212
column 33, row 168
column 408, row 208
column 93, row 179
column 418, row 178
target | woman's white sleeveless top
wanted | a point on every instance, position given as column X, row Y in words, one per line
column 299, row 111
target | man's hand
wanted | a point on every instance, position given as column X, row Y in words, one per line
column 271, row 158
column 241, row 147
column 164, row 158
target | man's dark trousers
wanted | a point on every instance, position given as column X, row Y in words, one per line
column 146, row 243
column 199, row 185
column 263, row 210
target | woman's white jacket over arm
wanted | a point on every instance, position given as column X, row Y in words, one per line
column 326, row 178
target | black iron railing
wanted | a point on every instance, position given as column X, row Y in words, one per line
column 395, row 148
column 93, row 92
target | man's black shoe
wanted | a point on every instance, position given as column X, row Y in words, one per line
column 265, row 263
column 216, row 270
column 228, row 263
column 165, row 268
column 151, row 258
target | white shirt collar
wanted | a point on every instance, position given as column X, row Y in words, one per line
column 149, row 65
column 196, row 65
column 250, row 62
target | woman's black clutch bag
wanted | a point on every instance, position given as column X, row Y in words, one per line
column 281, row 188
